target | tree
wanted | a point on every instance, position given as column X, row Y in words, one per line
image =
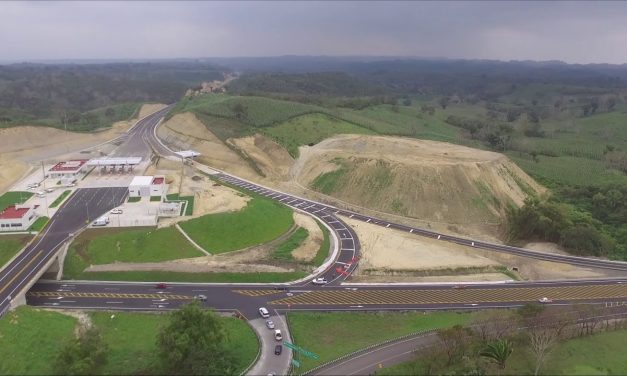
column 498, row 352
column 194, row 343
column 240, row 111
column 443, row 102
column 453, row 341
column 84, row 355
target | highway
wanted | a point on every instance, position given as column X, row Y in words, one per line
column 87, row 204
column 79, row 209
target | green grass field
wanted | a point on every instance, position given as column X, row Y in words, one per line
column 10, row 198
column 189, row 208
column 108, row 246
column 310, row 129
column 39, row 224
column 259, row 222
column 599, row 354
column 284, row 250
column 257, row 111
column 31, row 338
column 226, row 277
column 339, row 337
column 10, row 245
column 60, row 199
column 569, row 171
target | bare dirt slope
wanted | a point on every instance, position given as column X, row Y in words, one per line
column 11, row 170
column 185, row 131
column 33, row 143
column 270, row 157
column 430, row 180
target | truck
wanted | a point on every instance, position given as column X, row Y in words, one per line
column 102, row 221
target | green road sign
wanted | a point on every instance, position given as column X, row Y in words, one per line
column 295, row 363
column 301, row 350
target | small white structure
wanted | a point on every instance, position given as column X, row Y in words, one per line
column 68, row 169
column 17, row 218
column 185, row 154
column 147, row 186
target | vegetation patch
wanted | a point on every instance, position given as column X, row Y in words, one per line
column 30, row 338
column 10, row 245
column 365, row 329
column 156, row 276
column 330, row 182
column 325, row 247
column 39, row 224
column 309, row 130
column 60, row 199
column 188, row 208
column 134, row 199
column 284, row 250
column 259, row 222
column 106, row 246
column 12, row 198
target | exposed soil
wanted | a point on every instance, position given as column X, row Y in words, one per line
column 11, row 170
column 310, row 246
column 388, row 250
column 429, row 180
column 185, row 131
column 270, row 157
column 479, row 277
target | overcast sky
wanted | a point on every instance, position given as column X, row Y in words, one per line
column 578, row 32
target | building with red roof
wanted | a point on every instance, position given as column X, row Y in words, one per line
column 17, row 218
column 68, row 169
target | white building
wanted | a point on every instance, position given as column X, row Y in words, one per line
column 68, row 169
column 147, row 186
column 17, row 218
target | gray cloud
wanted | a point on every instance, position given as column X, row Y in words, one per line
column 570, row 31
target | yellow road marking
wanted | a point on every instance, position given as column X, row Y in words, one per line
column 452, row 296
column 46, row 294
column 257, row 292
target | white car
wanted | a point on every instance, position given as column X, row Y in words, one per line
column 277, row 335
column 270, row 324
column 545, row 300
column 33, row 185
column 116, row 211
column 320, row 281
column 263, row 311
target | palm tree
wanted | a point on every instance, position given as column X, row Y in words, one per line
column 498, row 352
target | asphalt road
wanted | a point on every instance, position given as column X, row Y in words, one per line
column 138, row 141
column 80, row 208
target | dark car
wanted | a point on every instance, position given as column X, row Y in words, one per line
column 161, row 286
column 278, row 349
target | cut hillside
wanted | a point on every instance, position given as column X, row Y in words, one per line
column 429, row 180
column 34, row 143
column 185, row 131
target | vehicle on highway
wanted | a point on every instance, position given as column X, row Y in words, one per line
column 545, row 300
column 116, row 211
column 49, row 190
column 40, row 194
column 278, row 349
column 202, row 298
column 270, row 324
column 102, row 221
column 161, row 286
column 277, row 335
column 320, row 281
column 460, row 286
column 33, row 185
column 264, row 312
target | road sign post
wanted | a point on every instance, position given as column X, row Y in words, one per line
column 300, row 350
